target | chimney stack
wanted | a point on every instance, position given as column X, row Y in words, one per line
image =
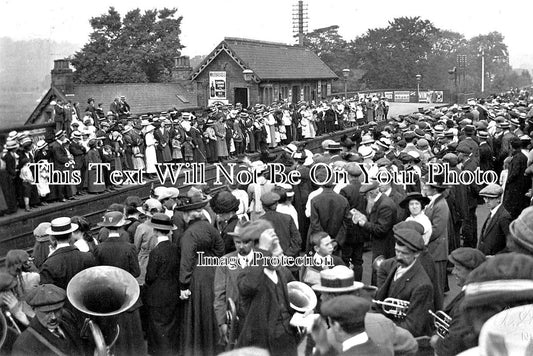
column 182, row 69
column 63, row 76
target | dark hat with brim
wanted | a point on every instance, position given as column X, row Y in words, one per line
column 404, row 204
column 161, row 221
column 193, row 201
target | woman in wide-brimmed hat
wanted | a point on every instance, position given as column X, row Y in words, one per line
column 415, row 203
column 197, row 281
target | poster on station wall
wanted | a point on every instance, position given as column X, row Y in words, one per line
column 401, row 96
column 431, row 96
column 217, row 87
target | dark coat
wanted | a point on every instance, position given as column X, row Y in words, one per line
column 63, row 264
column 162, row 275
column 486, row 157
column 59, row 155
column 493, row 237
column 118, row 253
column 517, row 185
column 330, row 212
column 354, row 234
column 260, row 327
column 461, row 335
column 415, row 287
column 289, row 236
column 380, row 222
column 27, row 344
column 439, row 214
column 472, row 191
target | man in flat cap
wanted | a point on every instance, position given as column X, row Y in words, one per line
column 408, row 281
column 50, row 332
column 460, row 335
column 346, row 316
column 493, row 237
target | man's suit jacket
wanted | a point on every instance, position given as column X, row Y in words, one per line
column 493, row 237
column 472, row 191
column 226, row 287
column 63, row 264
column 439, row 214
column 461, row 334
column 356, row 200
column 289, row 236
column 415, row 287
column 259, row 300
column 59, row 155
column 162, row 275
column 517, row 185
column 381, row 219
column 28, row 345
column 330, row 212
column 397, row 196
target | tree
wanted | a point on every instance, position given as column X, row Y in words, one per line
column 138, row 48
column 393, row 56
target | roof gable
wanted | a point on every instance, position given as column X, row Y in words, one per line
column 271, row 61
column 53, row 92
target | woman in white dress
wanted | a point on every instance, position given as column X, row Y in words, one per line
column 415, row 202
column 150, row 154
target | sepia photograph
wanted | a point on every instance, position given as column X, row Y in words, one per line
column 283, row 178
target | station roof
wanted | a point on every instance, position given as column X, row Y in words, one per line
column 270, row 60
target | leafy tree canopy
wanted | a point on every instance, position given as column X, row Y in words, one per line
column 392, row 56
column 140, row 47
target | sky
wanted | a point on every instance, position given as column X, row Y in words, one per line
column 206, row 23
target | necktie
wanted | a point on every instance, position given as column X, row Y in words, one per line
column 486, row 224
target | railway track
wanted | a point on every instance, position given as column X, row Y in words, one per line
column 16, row 231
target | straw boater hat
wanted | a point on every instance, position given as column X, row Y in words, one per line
column 338, row 279
column 61, row 226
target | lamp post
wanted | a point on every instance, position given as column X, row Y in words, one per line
column 346, row 74
column 418, row 78
column 247, row 74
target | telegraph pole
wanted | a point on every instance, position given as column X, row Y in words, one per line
column 300, row 21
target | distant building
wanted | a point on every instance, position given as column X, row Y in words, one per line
column 142, row 97
column 278, row 72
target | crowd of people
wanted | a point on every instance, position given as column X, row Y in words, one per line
column 418, row 233
column 129, row 142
